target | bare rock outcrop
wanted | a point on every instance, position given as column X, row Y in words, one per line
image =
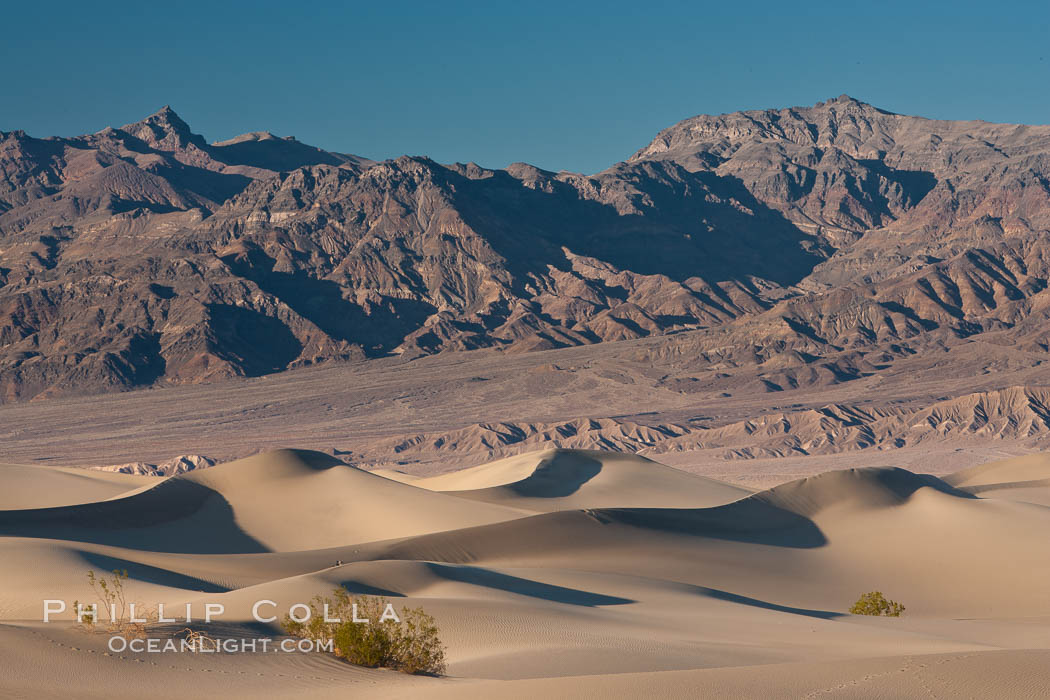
column 803, row 247
column 1018, row 414
column 176, row 465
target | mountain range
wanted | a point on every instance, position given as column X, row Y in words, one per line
column 796, row 247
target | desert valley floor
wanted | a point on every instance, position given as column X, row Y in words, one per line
column 558, row 573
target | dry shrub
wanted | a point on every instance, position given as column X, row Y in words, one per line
column 409, row 645
column 198, row 641
column 113, row 601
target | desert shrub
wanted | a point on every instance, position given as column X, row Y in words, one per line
column 87, row 619
column 419, row 648
column 875, row 603
column 114, row 602
column 409, row 644
column 110, row 592
column 198, row 641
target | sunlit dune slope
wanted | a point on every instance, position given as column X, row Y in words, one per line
column 282, row 500
column 560, row 479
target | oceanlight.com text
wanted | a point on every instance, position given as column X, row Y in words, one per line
column 153, row 645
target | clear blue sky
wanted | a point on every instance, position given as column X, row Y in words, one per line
column 563, row 85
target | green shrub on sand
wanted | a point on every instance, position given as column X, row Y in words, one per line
column 369, row 633
column 875, row 603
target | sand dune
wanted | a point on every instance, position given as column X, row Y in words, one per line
column 1012, row 674
column 41, row 663
column 559, row 479
column 323, row 502
column 283, row 500
column 562, row 573
column 46, row 487
column 813, row 544
column 1024, row 478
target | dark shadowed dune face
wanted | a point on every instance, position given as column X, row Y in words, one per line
column 553, row 480
column 176, row 515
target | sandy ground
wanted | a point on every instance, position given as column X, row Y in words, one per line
column 564, row 574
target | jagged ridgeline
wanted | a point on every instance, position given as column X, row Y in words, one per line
column 815, row 245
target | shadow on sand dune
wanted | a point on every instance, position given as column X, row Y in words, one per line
column 522, row 586
column 782, row 516
column 765, row 605
column 152, row 574
column 355, row 587
column 176, row 515
column 557, row 477
column 749, row 520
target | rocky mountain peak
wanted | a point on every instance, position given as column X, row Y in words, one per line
column 843, row 99
column 164, row 130
column 251, row 136
column 796, row 246
column 844, row 104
